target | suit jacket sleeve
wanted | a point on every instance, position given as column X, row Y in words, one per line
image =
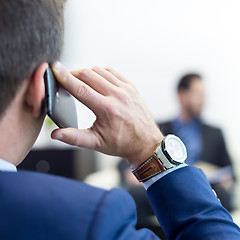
column 115, row 218
column 187, row 208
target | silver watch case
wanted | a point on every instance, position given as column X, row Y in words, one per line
column 171, row 151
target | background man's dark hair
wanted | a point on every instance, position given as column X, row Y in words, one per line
column 186, row 81
column 31, row 33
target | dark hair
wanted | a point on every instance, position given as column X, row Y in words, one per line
column 186, row 81
column 31, row 33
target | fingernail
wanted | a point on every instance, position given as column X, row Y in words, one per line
column 56, row 66
column 57, row 136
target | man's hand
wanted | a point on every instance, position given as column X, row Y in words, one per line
column 124, row 126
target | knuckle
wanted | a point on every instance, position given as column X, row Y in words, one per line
column 76, row 141
column 73, row 138
column 96, row 68
column 113, row 111
column 68, row 78
column 81, row 91
column 99, row 140
column 109, row 69
column 123, row 97
column 84, row 72
column 130, row 87
column 131, row 92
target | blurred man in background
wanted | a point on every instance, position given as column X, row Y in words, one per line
column 205, row 144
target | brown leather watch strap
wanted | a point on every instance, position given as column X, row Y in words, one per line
column 150, row 168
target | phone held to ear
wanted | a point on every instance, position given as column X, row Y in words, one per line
column 59, row 104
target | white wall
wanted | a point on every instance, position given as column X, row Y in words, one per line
column 153, row 42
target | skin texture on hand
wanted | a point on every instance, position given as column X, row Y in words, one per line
column 123, row 127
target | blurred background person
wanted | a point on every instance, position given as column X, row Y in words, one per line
column 205, row 144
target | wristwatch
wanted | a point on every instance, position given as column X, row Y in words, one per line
column 170, row 153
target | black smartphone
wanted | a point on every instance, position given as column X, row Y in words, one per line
column 59, row 104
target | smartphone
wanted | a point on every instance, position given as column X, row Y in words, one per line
column 59, row 104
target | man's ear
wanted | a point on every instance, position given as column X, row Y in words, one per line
column 36, row 89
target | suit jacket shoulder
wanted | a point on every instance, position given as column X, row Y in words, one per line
column 40, row 206
column 210, row 130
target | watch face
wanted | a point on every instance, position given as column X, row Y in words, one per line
column 175, row 149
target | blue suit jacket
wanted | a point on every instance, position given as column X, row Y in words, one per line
column 38, row 206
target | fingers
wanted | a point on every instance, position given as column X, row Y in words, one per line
column 123, row 124
column 100, row 80
column 81, row 91
column 118, row 75
column 108, row 76
column 96, row 79
column 81, row 138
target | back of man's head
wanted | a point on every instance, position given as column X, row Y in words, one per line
column 186, row 80
column 31, row 33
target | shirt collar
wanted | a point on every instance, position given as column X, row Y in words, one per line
column 6, row 166
column 194, row 121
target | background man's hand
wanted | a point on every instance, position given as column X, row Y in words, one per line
column 124, row 126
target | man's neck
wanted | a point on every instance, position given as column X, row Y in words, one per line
column 185, row 118
column 10, row 142
column 18, row 129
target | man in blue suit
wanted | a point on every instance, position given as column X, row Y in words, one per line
column 38, row 206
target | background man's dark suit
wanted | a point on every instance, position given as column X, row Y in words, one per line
column 213, row 149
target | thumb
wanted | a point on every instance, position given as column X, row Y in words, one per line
column 82, row 138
